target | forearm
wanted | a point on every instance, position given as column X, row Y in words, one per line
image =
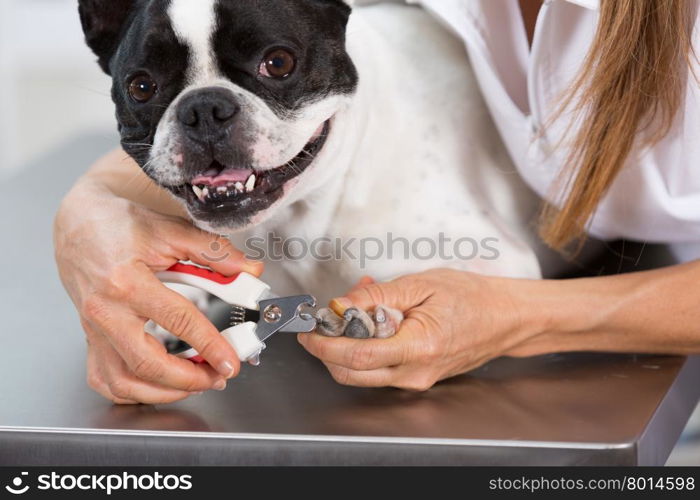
column 119, row 174
column 647, row 312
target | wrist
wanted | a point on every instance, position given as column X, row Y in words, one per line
column 558, row 315
column 534, row 302
column 87, row 192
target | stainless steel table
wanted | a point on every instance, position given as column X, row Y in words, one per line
column 560, row 409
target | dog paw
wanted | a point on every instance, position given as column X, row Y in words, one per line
column 387, row 321
column 329, row 323
column 360, row 324
column 383, row 323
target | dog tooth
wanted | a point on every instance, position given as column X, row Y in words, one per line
column 197, row 192
column 250, row 185
column 205, row 192
column 239, row 187
column 222, row 189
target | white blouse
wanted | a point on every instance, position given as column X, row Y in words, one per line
column 656, row 198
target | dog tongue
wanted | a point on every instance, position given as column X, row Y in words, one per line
column 214, row 178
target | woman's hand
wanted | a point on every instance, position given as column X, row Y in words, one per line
column 107, row 250
column 454, row 322
column 457, row 321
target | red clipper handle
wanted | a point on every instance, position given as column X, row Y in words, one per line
column 203, row 273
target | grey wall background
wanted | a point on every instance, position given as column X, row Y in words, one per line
column 51, row 90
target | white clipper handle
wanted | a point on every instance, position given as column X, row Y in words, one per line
column 243, row 290
column 245, row 342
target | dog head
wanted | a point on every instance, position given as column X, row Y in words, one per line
column 225, row 103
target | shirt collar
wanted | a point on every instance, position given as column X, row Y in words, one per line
column 588, row 4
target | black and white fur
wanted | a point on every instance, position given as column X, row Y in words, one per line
column 401, row 140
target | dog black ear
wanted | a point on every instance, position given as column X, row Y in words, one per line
column 103, row 22
column 347, row 4
column 343, row 6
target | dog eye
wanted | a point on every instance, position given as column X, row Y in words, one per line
column 279, row 63
column 142, row 88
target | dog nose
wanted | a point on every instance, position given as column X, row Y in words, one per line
column 205, row 114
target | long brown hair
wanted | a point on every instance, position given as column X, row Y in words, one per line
column 630, row 89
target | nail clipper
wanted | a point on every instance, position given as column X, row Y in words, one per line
column 256, row 313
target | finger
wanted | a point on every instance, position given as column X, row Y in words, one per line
column 416, row 378
column 139, row 392
column 96, row 381
column 402, row 294
column 400, row 377
column 103, row 390
column 364, row 281
column 182, row 318
column 210, row 250
column 148, row 360
column 383, row 377
column 356, row 354
column 124, row 386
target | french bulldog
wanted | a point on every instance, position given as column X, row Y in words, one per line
column 317, row 122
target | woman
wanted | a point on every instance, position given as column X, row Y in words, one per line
column 598, row 104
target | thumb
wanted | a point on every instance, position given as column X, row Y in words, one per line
column 402, row 294
column 364, row 281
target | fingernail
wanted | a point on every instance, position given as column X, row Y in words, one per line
column 253, row 265
column 226, row 369
column 220, row 385
column 339, row 306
